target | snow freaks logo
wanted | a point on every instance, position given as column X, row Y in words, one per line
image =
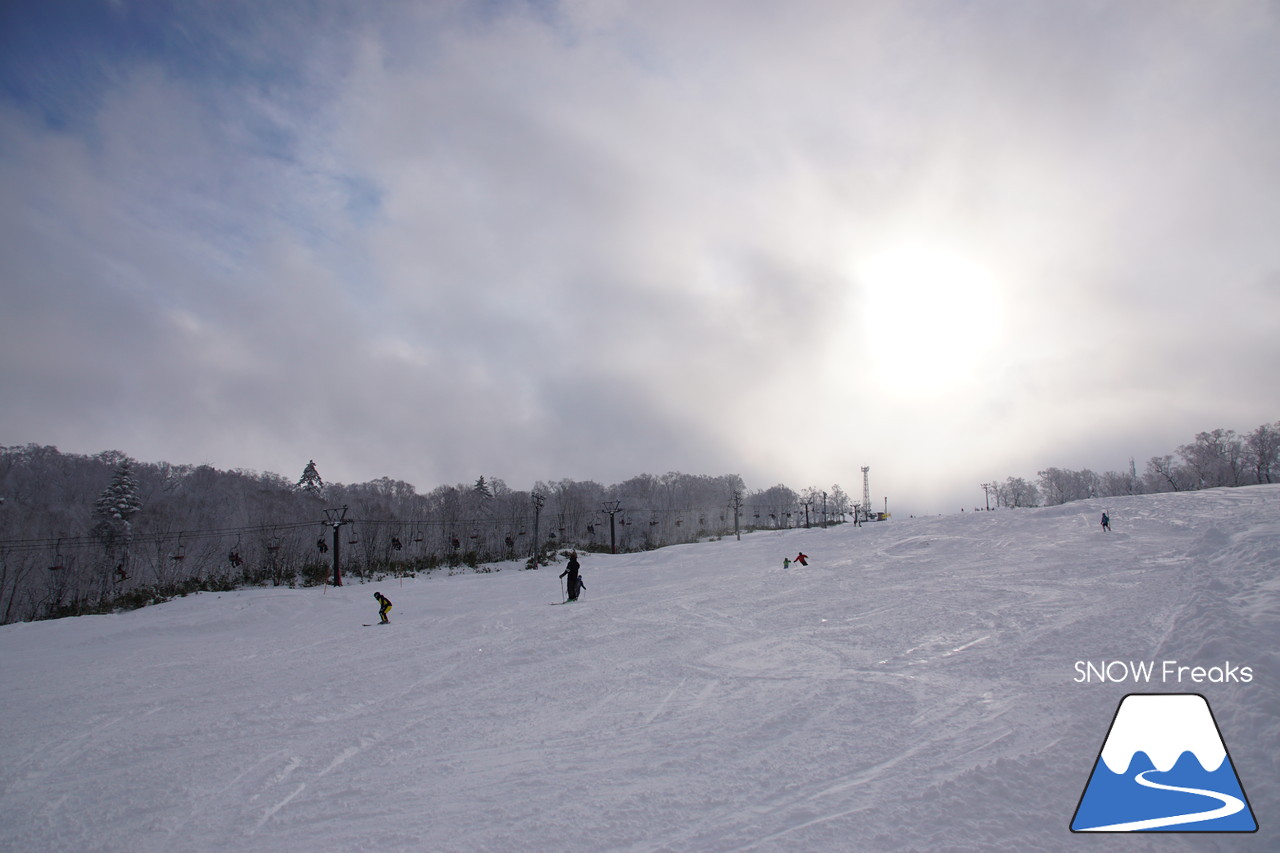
column 1168, row 672
column 1163, row 767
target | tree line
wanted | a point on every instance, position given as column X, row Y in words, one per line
column 93, row 533
column 1217, row 458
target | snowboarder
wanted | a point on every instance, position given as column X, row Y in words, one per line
column 575, row 582
column 802, row 558
column 1106, row 523
column 385, row 606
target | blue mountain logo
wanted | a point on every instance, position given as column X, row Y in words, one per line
column 1163, row 768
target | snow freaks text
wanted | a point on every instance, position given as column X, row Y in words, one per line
column 1164, row 672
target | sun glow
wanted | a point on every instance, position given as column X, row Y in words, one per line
column 928, row 316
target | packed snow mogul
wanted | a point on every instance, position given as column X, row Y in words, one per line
column 384, row 608
column 575, row 582
column 1106, row 522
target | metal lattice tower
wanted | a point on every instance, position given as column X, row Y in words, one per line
column 866, row 491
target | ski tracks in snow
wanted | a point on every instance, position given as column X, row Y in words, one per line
column 40, row 762
column 293, row 764
column 283, row 776
column 691, row 707
column 931, row 648
column 261, row 791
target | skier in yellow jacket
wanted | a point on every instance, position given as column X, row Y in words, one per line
column 385, row 606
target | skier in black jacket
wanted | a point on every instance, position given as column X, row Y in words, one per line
column 384, row 605
column 575, row 582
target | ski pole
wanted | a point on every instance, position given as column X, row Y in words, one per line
column 563, row 598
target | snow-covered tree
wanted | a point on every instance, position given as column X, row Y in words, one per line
column 1016, row 492
column 1164, row 474
column 114, row 509
column 310, row 481
column 1059, row 485
column 119, row 501
column 1263, row 446
column 1116, row 483
column 772, row 507
column 1216, row 457
column 838, row 502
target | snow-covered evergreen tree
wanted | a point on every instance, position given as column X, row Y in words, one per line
column 119, row 501
column 310, row 481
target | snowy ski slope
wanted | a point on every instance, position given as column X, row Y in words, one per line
column 913, row 688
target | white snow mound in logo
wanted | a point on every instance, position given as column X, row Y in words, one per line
column 1164, row 727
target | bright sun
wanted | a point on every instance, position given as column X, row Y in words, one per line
column 928, row 314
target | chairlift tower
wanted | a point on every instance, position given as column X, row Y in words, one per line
column 866, row 492
column 736, row 503
column 539, row 500
column 336, row 518
column 613, row 508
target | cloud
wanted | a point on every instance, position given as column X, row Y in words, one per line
column 594, row 239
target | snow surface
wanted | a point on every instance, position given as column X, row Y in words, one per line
column 913, row 688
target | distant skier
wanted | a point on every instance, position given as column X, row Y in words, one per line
column 1106, row 523
column 802, row 558
column 575, row 583
column 786, row 562
column 384, row 608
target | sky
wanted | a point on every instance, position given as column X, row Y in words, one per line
column 952, row 241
